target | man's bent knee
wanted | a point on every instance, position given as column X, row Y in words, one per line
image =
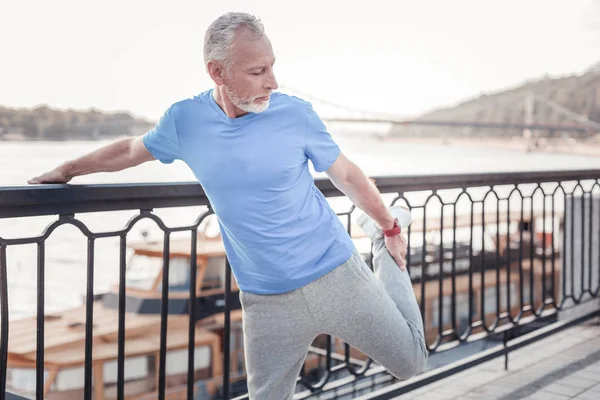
column 410, row 368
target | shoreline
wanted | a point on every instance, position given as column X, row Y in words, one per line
column 566, row 146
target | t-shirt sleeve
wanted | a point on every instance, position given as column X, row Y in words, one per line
column 320, row 148
column 162, row 141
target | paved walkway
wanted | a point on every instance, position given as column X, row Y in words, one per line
column 565, row 365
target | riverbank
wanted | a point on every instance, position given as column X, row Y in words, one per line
column 586, row 148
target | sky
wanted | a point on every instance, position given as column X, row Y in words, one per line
column 403, row 57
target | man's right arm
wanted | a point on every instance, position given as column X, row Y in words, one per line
column 119, row 155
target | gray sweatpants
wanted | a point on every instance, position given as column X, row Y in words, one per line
column 375, row 313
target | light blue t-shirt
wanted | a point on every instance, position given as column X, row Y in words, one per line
column 278, row 229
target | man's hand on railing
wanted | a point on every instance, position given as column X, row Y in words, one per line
column 55, row 176
column 397, row 247
column 115, row 156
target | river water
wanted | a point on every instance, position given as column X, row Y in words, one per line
column 66, row 247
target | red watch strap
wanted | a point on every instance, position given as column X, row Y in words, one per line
column 393, row 231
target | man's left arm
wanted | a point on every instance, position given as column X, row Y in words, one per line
column 351, row 180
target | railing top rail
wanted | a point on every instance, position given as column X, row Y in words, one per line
column 22, row 201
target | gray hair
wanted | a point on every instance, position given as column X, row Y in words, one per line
column 221, row 32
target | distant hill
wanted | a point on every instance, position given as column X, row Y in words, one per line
column 45, row 123
column 578, row 93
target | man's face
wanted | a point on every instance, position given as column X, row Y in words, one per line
column 250, row 80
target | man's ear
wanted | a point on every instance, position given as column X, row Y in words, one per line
column 216, row 71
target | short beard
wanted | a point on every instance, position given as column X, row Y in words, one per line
column 247, row 105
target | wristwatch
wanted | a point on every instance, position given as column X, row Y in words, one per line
column 392, row 231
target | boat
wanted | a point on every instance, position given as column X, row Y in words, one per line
column 64, row 339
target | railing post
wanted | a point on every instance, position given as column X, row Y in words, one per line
column 4, row 321
column 227, row 332
column 504, row 343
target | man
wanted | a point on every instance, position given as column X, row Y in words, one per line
column 297, row 268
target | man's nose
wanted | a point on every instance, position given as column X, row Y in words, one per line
column 271, row 82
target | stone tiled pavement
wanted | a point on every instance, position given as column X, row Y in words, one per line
column 565, row 365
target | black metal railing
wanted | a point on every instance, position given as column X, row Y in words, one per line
column 489, row 256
